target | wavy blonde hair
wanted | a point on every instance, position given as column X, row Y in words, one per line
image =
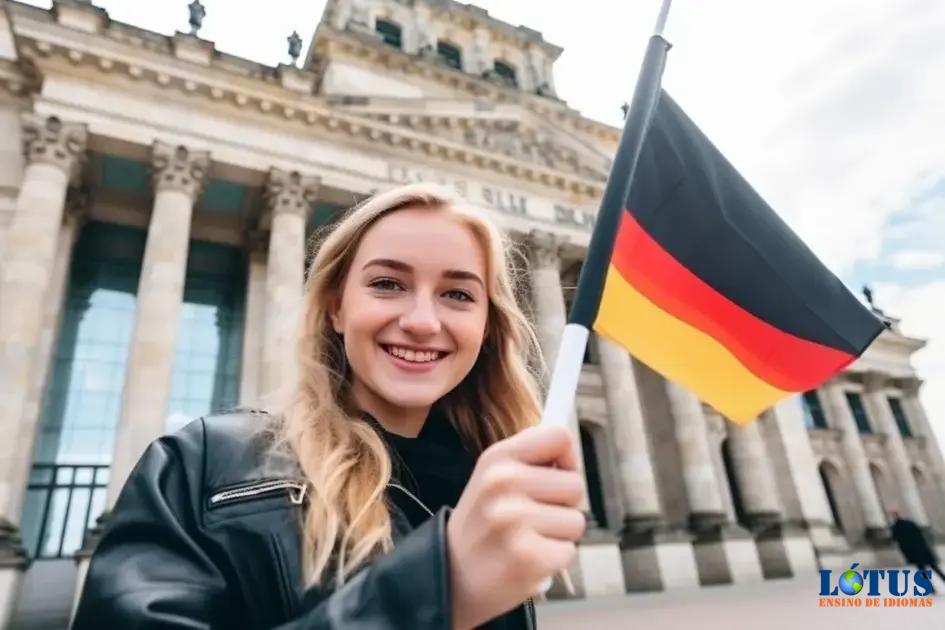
column 343, row 459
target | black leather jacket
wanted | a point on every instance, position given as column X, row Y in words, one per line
column 204, row 535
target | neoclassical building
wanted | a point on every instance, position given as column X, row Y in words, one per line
column 155, row 200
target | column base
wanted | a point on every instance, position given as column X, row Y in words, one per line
column 784, row 549
column 83, row 556
column 13, row 563
column 725, row 553
column 657, row 557
column 597, row 570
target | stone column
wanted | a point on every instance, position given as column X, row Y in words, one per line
column 724, row 552
column 857, row 463
column 637, row 481
column 787, row 420
column 288, row 199
column 597, row 570
column 876, row 400
column 783, row 550
column 692, row 439
column 935, row 458
column 254, row 323
column 74, row 219
column 916, row 414
column 178, row 176
column 54, row 151
column 654, row 558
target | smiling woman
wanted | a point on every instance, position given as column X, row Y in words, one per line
column 421, row 493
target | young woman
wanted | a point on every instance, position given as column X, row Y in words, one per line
column 402, row 484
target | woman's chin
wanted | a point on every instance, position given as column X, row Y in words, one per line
column 397, row 397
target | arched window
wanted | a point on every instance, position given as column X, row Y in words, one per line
column 449, row 54
column 505, row 71
column 389, row 31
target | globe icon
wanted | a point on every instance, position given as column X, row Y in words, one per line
column 851, row 583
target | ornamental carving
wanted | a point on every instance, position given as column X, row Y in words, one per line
column 178, row 168
column 48, row 140
column 290, row 192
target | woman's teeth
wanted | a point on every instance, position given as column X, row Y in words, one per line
column 412, row 356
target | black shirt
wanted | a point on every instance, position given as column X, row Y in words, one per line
column 435, row 466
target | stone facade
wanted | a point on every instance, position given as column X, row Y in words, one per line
column 90, row 108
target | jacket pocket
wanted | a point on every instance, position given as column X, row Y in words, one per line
column 293, row 490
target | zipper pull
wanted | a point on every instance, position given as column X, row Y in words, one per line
column 298, row 496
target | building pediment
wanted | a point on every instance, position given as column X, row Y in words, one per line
column 509, row 132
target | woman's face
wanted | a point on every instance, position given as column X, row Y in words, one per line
column 413, row 310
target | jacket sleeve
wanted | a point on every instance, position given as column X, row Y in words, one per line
column 150, row 570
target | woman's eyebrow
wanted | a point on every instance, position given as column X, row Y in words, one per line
column 390, row 263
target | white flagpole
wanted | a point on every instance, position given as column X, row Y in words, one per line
column 562, row 389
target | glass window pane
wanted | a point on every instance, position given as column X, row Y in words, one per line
column 209, row 343
column 64, row 476
column 41, row 474
column 75, row 523
column 82, row 397
column 55, row 519
column 83, row 475
column 855, row 402
column 899, row 415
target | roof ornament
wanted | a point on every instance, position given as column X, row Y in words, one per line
column 197, row 13
column 295, row 46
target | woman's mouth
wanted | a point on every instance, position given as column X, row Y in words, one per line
column 413, row 360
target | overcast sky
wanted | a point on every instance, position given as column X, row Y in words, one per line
column 833, row 109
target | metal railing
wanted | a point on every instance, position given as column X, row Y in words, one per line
column 65, row 500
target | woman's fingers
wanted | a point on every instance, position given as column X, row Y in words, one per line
column 549, row 485
column 555, row 521
column 539, row 445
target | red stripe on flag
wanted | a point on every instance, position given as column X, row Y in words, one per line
column 783, row 360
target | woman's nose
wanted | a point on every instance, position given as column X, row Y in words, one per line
column 421, row 319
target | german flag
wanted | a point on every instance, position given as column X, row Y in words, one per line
column 708, row 286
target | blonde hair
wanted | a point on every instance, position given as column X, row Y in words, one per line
column 342, row 458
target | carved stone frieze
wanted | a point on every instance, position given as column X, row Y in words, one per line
column 505, row 137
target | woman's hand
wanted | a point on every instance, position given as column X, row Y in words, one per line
column 516, row 523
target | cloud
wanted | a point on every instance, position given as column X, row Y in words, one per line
column 917, row 259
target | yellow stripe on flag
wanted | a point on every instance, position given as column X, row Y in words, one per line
column 681, row 352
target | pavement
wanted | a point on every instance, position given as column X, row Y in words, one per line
column 768, row 604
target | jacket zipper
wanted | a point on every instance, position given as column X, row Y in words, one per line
column 412, row 496
column 530, row 619
column 296, row 489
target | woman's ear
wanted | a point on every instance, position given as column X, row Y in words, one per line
column 334, row 314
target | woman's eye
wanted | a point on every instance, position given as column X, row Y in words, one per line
column 384, row 284
column 462, row 296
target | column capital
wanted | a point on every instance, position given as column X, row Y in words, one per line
column 77, row 206
column 911, row 386
column 290, row 192
column 256, row 241
column 178, row 168
column 545, row 248
column 48, row 140
column 875, row 381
